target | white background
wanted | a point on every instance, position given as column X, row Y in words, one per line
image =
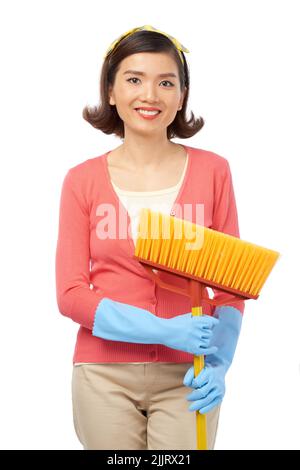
column 244, row 65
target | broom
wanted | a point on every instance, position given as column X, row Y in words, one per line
column 208, row 258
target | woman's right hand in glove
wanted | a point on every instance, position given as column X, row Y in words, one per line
column 118, row 321
column 192, row 334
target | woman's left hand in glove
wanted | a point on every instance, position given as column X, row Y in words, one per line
column 210, row 383
column 209, row 387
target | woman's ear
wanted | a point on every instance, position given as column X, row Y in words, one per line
column 111, row 99
column 182, row 98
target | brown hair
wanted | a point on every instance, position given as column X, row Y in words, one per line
column 105, row 116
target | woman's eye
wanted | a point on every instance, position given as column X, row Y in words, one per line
column 164, row 81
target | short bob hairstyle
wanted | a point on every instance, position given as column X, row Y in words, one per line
column 105, row 116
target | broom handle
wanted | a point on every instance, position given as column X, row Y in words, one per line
column 196, row 293
column 196, row 290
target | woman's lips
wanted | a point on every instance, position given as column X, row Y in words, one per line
column 148, row 116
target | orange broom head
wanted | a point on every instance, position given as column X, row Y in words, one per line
column 217, row 259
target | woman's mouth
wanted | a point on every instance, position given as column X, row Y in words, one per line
column 147, row 114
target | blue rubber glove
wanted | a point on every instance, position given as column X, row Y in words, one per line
column 210, row 383
column 118, row 321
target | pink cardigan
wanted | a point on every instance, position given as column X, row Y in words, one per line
column 89, row 268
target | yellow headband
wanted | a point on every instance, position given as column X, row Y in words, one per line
column 147, row 27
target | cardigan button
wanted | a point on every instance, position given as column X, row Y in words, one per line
column 172, row 212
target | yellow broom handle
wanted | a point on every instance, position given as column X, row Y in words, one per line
column 200, row 419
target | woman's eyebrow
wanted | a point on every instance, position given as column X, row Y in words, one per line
column 137, row 72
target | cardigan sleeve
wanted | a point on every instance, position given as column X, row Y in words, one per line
column 225, row 217
column 75, row 298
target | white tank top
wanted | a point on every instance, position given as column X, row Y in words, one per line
column 161, row 200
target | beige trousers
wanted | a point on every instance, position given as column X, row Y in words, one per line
column 136, row 406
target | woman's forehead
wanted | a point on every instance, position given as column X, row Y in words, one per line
column 149, row 59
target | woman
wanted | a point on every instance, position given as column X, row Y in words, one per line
column 133, row 360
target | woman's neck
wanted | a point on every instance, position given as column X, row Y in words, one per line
column 138, row 157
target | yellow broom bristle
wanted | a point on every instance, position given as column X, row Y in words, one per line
column 193, row 249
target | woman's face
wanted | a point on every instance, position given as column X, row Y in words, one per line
column 146, row 88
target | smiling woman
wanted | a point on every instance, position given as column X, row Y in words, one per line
column 161, row 54
column 134, row 343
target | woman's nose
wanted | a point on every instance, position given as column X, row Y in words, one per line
column 150, row 93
